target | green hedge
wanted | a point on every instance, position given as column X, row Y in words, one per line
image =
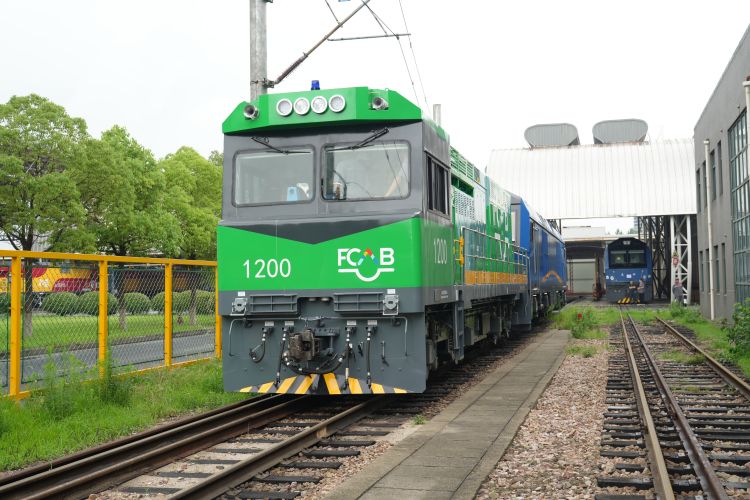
column 62, row 303
column 204, row 302
column 4, row 303
column 136, row 303
column 89, row 303
column 157, row 302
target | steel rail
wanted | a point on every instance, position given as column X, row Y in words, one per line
column 721, row 370
column 114, row 465
column 245, row 470
column 659, row 472
column 46, row 466
column 705, row 472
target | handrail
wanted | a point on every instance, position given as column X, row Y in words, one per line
column 519, row 259
column 25, row 254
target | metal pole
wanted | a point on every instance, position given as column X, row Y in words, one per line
column 14, row 384
column 103, row 314
column 689, row 278
column 258, row 49
column 706, row 144
column 674, row 250
column 168, row 315
column 217, row 321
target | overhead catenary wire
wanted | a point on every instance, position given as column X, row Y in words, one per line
column 385, row 27
column 332, row 12
column 414, row 56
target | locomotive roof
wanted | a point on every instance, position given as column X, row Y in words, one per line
column 534, row 215
column 341, row 107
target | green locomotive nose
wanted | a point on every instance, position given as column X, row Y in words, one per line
column 357, row 249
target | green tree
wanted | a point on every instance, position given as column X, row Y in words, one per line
column 39, row 201
column 194, row 198
column 217, row 158
column 194, row 187
column 124, row 190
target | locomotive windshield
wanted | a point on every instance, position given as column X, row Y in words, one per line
column 627, row 258
column 374, row 171
column 265, row 177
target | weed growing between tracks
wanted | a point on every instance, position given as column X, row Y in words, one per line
column 727, row 344
column 586, row 351
column 66, row 415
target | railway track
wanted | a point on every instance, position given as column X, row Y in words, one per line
column 248, row 448
column 677, row 423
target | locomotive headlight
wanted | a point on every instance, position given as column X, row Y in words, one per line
column 337, row 103
column 251, row 112
column 319, row 104
column 301, row 106
column 284, row 107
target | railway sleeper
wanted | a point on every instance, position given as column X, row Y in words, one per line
column 281, row 479
column 310, row 464
column 269, row 495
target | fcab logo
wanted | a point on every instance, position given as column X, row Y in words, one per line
column 364, row 264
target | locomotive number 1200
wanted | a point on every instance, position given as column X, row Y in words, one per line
column 441, row 251
column 270, row 268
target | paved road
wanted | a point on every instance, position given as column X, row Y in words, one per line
column 139, row 355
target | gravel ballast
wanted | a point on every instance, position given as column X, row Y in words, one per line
column 556, row 452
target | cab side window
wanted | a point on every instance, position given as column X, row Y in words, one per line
column 438, row 187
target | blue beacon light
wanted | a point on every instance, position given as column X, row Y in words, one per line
column 315, row 85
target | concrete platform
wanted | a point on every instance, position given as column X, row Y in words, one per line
column 451, row 455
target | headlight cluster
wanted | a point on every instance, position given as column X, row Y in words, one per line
column 302, row 106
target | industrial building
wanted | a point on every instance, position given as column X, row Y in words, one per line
column 723, row 189
column 620, row 175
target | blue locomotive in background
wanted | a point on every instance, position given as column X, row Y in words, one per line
column 627, row 261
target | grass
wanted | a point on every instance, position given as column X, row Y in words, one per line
column 585, row 322
column 585, row 351
column 682, row 357
column 52, row 331
column 419, row 419
column 711, row 335
column 65, row 416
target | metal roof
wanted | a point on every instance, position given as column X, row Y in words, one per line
column 601, row 180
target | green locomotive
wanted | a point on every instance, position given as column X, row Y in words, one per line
column 357, row 249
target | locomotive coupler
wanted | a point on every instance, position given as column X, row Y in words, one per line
column 304, row 346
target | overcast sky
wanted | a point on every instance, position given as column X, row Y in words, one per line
column 170, row 71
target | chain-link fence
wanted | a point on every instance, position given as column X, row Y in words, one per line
column 193, row 313
column 59, row 326
column 74, row 312
column 4, row 324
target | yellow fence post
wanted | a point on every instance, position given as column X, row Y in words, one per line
column 103, row 313
column 168, row 314
column 15, row 327
column 217, row 326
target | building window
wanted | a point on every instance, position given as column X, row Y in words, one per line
column 712, row 162
column 717, row 281
column 720, row 179
column 702, row 276
column 724, row 266
column 698, row 186
column 740, row 188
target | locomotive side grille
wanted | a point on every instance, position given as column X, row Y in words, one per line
column 464, row 203
column 357, row 302
column 276, row 304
